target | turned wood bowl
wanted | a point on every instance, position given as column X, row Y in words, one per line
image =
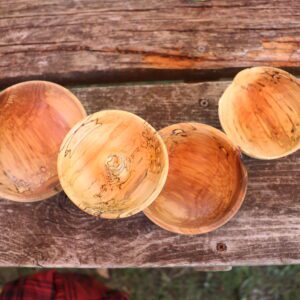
column 35, row 116
column 206, row 184
column 260, row 112
column 113, row 164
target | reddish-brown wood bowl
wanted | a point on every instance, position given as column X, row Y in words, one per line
column 260, row 112
column 113, row 164
column 35, row 116
column 206, row 184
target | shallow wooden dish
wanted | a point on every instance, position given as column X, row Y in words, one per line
column 35, row 116
column 260, row 112
column 206, row 184
column 113, row 164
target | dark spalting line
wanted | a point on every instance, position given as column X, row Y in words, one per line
column 56, row 233
column 180, row 132
column 67, row 142
column 57, row 188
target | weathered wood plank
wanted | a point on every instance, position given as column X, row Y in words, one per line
column 95, row 41
column 56, row 233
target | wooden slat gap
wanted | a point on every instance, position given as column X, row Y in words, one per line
column 134, row 76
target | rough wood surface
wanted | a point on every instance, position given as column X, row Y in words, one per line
column 130, row 40
column 56, row 233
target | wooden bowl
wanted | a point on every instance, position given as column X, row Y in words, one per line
column 260, row 112
column 35, row 116
column 113, row 164
column 206, row 184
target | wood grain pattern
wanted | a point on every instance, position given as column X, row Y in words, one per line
column 55, row 232
column 35, row 116
column 131, row 40
column 206, row 182
column 112, row 164
column 260, row 112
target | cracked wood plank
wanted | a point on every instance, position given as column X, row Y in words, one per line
column 93, row 41
column 56, row 233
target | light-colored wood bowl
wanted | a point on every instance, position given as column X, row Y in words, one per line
column 35, row 116
column 113, row 164
column 206, row 184
column 260, row 112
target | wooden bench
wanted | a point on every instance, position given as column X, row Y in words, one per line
column 86, row 44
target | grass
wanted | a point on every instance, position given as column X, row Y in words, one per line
column 242, row 283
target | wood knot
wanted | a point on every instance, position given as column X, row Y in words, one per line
column 117, row 168
column 221, row 247
column 203, row 102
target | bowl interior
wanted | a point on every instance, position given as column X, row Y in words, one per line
column 113, row 164
column 260, row 112
column 35, row 116
column 206, row 183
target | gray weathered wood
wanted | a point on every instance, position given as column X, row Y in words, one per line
column 56, row 233
column 93, row 40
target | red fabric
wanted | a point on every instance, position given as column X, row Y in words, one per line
column 52, row 285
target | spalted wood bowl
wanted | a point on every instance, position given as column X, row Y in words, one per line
column 206, row 184
column 260, row 112
column 113, row 164
column 35, row 116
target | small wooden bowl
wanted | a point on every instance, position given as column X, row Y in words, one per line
column 35, row 116
column 260, row 112
column 206, row 184
column 113, row 164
